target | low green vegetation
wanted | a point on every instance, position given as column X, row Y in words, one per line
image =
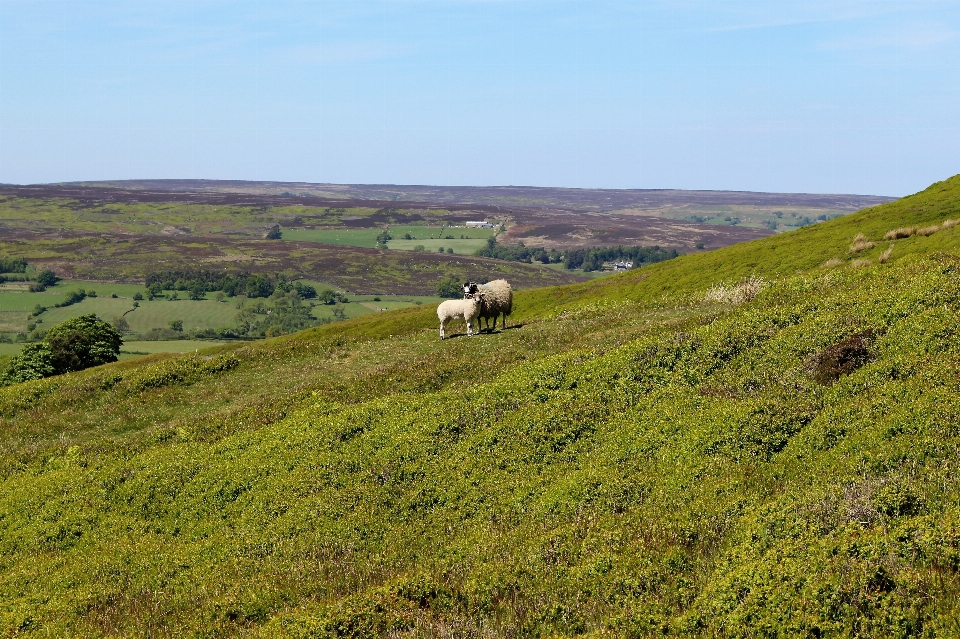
column 755, row 441
column 776, row 218
column 74, row 345
column 585, row 259
column 459, row 240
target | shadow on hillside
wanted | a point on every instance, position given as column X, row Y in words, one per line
column 509, row 328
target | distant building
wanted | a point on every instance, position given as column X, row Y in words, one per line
column 618, row 266
column 479, row 225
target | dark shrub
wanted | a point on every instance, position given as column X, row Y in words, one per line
column 47, row 278
column 841, row 358
column 305, row 291
column 72, row 298
column 449, row 287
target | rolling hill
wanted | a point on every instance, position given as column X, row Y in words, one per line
column 761, row 440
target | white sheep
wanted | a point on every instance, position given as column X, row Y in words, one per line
column 467, row 308
column 495, row 298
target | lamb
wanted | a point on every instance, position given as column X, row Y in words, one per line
column 467, row 308
column 495, row 298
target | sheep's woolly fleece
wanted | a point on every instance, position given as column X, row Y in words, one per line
column 496, row 298
column 467, row 309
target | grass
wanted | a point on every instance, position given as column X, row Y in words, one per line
column 135, row 348
column 367, row 238
column 16, row 307
column 779, row 218
column 628, row 458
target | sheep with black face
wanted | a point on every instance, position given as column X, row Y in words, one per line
column 496, row 298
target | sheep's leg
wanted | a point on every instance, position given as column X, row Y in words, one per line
column 442, row 324
column 469, row 331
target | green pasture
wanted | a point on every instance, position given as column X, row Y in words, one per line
column 364, row 238
column 16, row 307
column 7, row 348
column 136, row 348
column 195, row 314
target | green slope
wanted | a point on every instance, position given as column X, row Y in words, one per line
column 628, row 460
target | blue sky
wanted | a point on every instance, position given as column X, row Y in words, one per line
column 842, row 96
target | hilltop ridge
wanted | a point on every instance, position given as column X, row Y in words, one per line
column 755, row 440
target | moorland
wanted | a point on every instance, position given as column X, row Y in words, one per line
column 759, row 440
column 372, row 254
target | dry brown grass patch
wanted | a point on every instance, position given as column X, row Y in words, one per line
column 885, row 256
column 928, row 230
column 899, row 233
column 743, row 291
column 834, row 261
column 858, row 246
column 859, row 263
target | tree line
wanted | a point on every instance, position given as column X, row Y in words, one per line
column 200, row 282
column 587, row 259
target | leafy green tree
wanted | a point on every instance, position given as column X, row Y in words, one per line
column 177, row 325
column 82, row 342
column 449, row 287
column 12, row 265
column 138, row 296
column 197, row 291
column 35, row 361
column 121, row 324
column 259, row 286
column 305, row 291
column 47, row 277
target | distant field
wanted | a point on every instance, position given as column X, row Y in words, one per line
column 460, row 247
column 129, row 259
column 16, row 307
column 138, row 348
column 364, row 238
column 9, row 349
column 465, row 241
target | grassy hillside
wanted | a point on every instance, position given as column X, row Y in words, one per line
column 627, row 459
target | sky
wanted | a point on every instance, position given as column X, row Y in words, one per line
column 859, row 96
